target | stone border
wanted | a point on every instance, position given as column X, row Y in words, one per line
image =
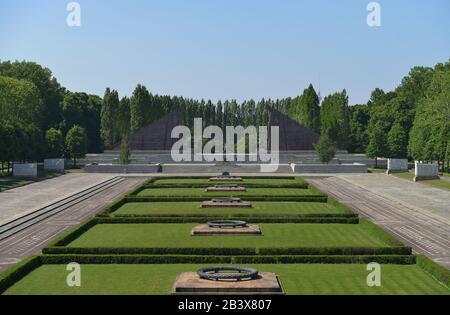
column 190, row 283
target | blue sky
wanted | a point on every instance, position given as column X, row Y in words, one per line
column 219, row 49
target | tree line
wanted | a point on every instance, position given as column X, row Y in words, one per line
column 39, row 118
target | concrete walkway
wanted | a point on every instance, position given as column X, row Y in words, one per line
column 19, row 201
column 417, row 214
column 436, row 201
column 32, row 239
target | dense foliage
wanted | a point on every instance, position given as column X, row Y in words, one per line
column 36, row 112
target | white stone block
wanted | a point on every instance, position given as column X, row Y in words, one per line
column 54, row 165
column 25, row 170
column 426, row 171
column 397, row 165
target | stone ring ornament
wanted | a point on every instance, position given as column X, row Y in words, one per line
column 226, row 200
column 227, row 224
column 226, row 185
column 228, row 273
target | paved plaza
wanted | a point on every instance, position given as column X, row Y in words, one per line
column 34, row 237
column 416, row 213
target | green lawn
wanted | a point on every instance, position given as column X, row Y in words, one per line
column 433, row 182
column 255, row 181
column 405, row 175
column 296, row 279
column 364, row 234
column 259, row 208
column 200, row 192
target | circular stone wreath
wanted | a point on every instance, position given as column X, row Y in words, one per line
column 226, row 186
column 226, row 199
column 228, row 273
column 227, row 224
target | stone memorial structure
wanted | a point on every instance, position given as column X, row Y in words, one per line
column 226, row 227
column 226, row 187
column 54, row 165
column 25, row 170
column 424, row 171
column 397, row 165
column 227, row 280
column 226, row 202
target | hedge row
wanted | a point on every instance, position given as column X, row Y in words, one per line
column 177, row 259
column 397, row 250
column 19, row 271
column 74, row 233
column 312, row 251
column 208, row 177
column 240, row 215
column 307, row 198
column 437, row 271
column 152, row 183
column 204, row 219
column 248, row 185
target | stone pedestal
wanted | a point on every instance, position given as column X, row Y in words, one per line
column 205, row 230
column 226, row 189
column 191, row 283
column 25, row 170
column 225, row 179
column 397, row 166
column 239, row 204
column 54, row 165
column 426, row 171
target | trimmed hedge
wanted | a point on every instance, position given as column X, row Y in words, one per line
column 399, row 250
column 308, row 198
column 204, row 219
column 152, row 183
column 19, row 271
column 240, row 215
column 180, row 259
column 74, row 233
column 247, row 185
column 309, row 251
column 437, row 271
column 150, row 251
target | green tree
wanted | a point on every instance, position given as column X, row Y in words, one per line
column 125, row 151
column 76, row 143
column 377, row 146
column 54, row 143
column 431, row 128
column 108, row 118
column 74, row 106
column 359, row 121
column 306, row 109
column 124, row 129
column 334, row 116
column 92, row 123
column 20, row 101
column 397, row 142
column 49, row 90
column 325, row 149
column 139, row 105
